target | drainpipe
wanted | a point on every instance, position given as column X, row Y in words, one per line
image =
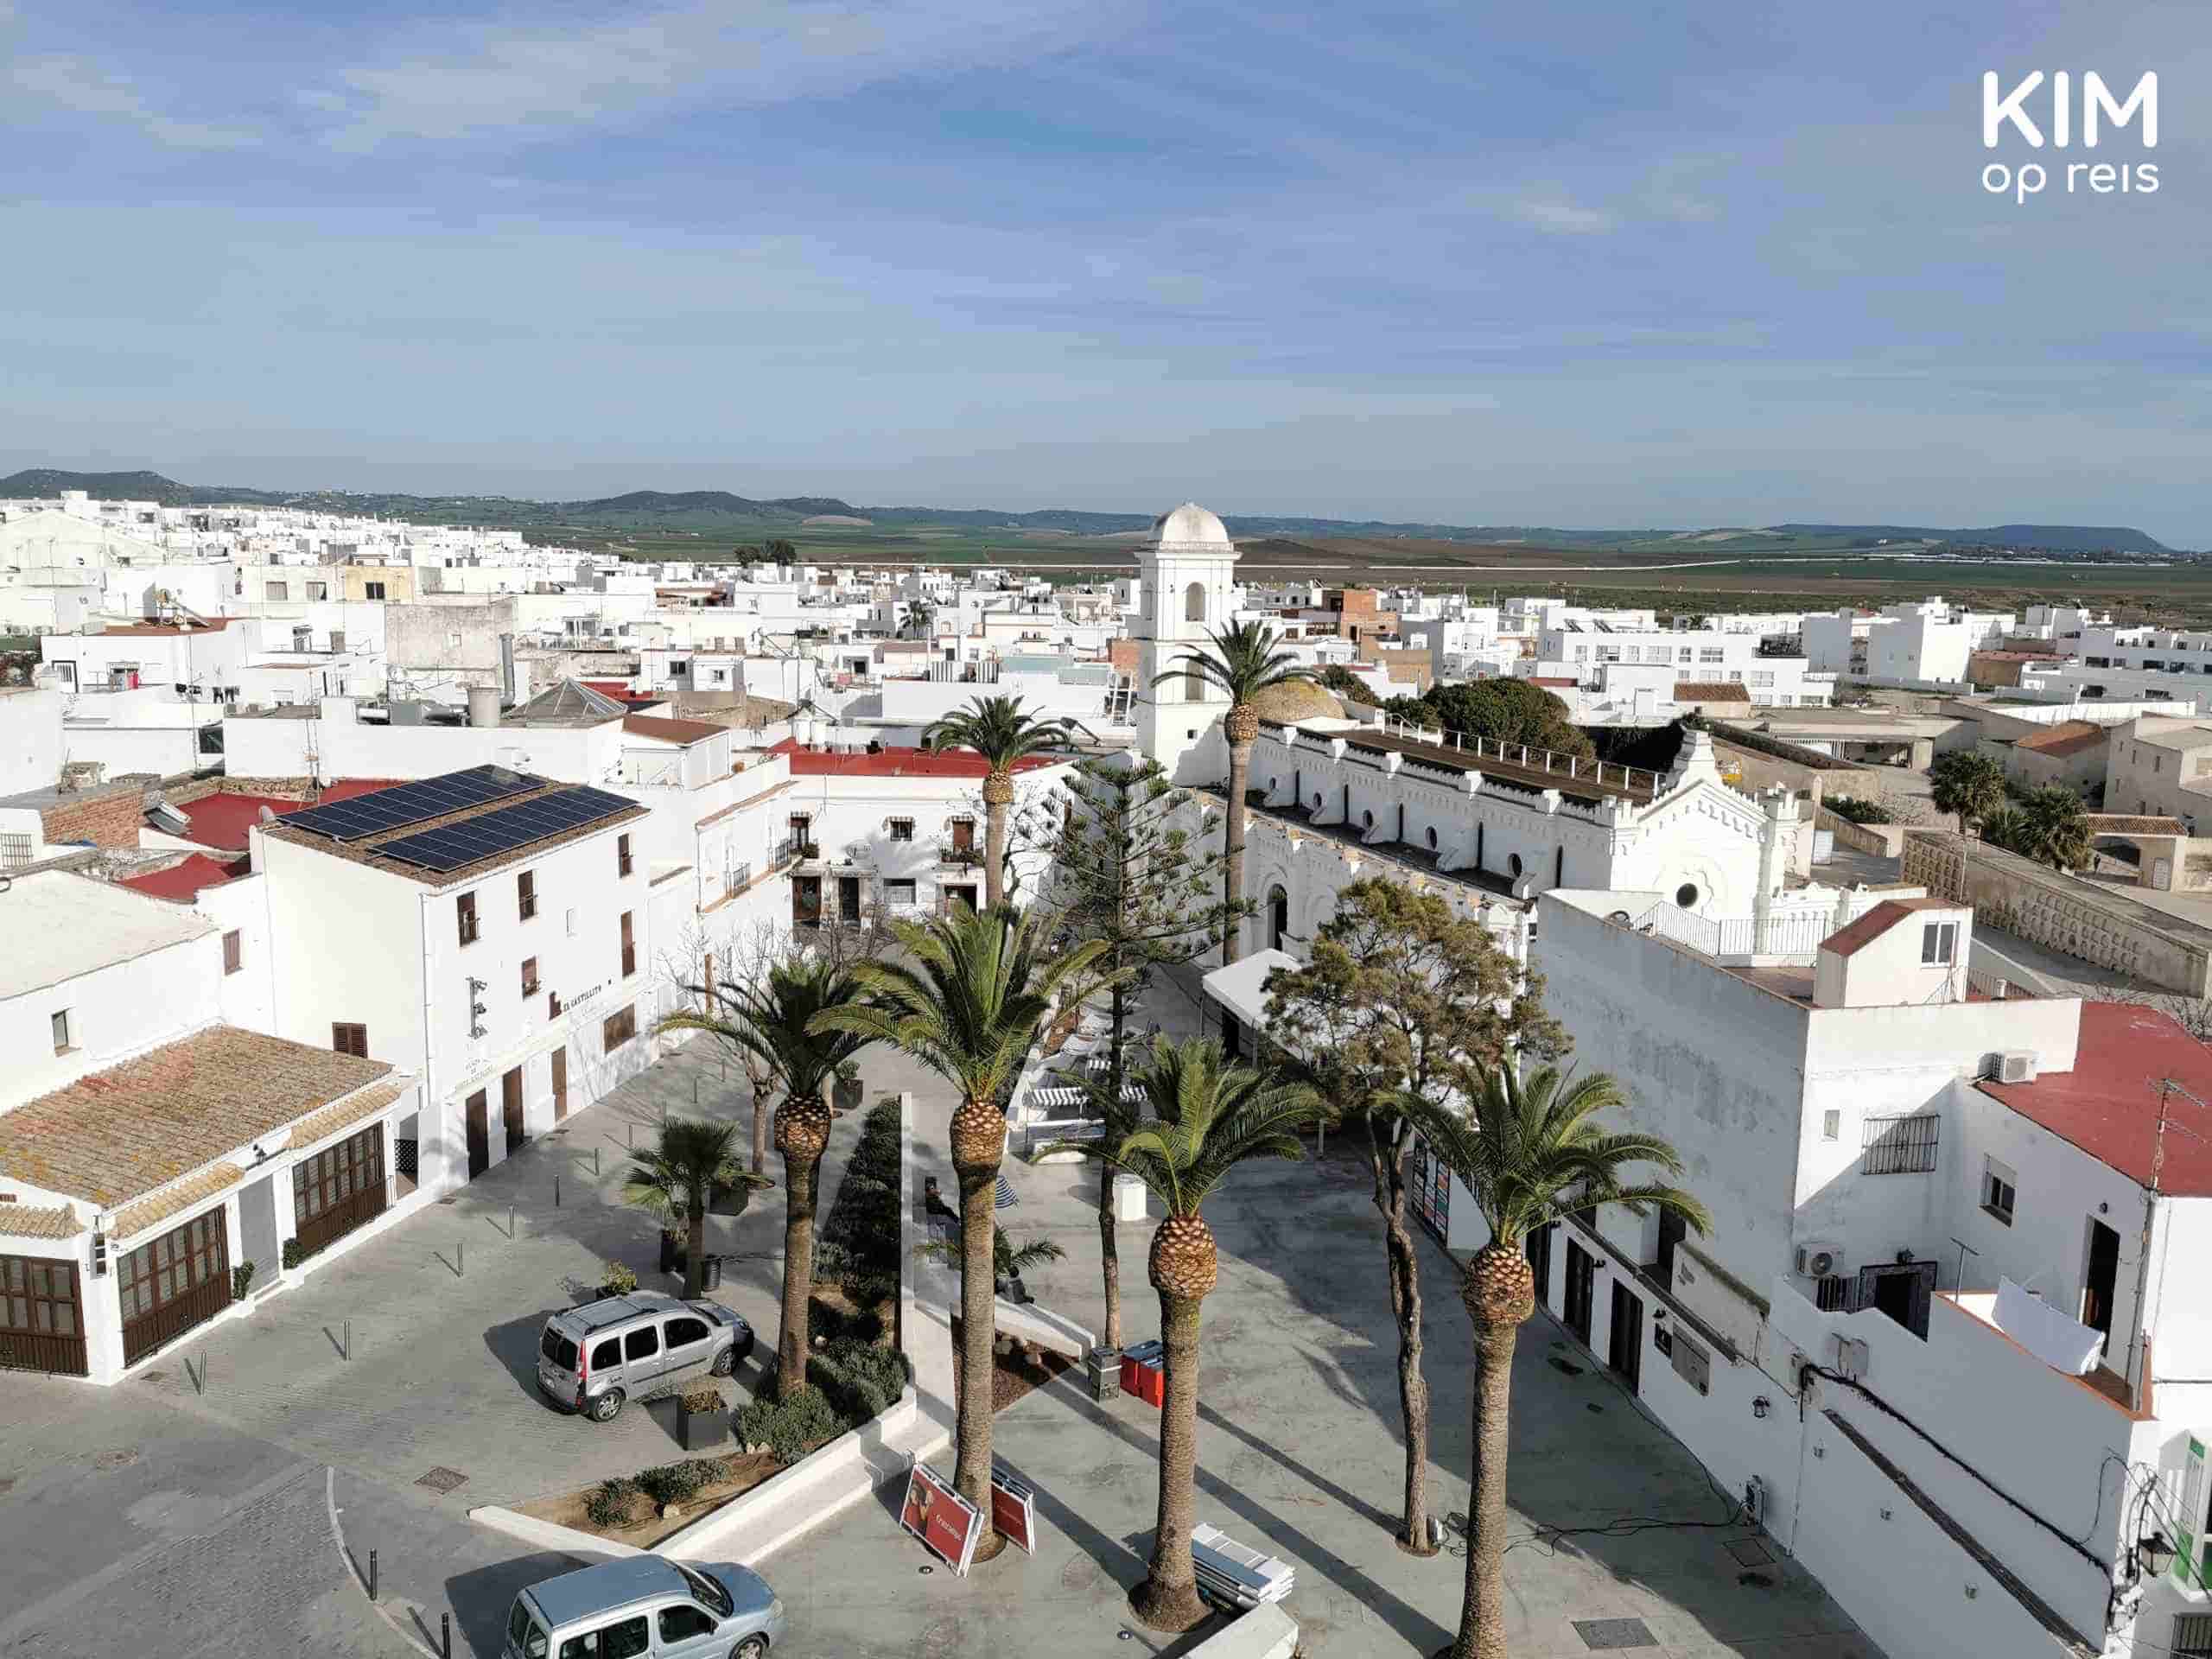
column 423, row 1111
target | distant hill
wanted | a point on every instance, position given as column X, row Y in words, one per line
column 710, row 512
column 2048, row 538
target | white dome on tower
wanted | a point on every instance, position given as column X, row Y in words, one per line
column 1188, row 524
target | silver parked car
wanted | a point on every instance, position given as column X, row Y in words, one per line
column 646, row 1607
column 592, row 1358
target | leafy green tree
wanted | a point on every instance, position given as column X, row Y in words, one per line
column 1503, row 710
column 1126, row 873
column 1532, row 1153
column 677, row 1181
column 966, row 996
column 2055, row 829
column 1242, row 662
column 1402, row 993
column 1968, row 783
column 996, row 728
column 783, row 552
column 1348, row 685
column 773, row 1020
column 1212, row 1116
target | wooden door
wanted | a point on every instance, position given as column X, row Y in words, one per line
column 560, row 1083
column 480, row 1134
column 511, row 1109
column 1626, row 1351
column 849, row 898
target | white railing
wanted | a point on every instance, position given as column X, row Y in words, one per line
column 1551, row 762
column 1789, row 940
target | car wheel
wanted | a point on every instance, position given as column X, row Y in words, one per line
column 753, row 1647
column 725, row 1362
column 605, row 1407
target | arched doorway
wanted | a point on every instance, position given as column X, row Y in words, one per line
column 1278, row 916
column 1194, row 602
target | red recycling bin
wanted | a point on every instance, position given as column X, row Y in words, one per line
column 1144, row 1372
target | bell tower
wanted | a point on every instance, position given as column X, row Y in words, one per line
column 1185, row 576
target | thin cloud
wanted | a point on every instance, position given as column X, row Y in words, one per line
column 74, row 85
column 502, row 79
column 1558, row 214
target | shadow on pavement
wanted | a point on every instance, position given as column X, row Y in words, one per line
column 480, row 1601
column 514, row 1344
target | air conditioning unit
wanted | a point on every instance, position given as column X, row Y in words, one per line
column 1816, row 1261
column 2016, row 1066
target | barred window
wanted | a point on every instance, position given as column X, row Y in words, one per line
column 1900, row 1145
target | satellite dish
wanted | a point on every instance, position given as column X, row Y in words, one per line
column 267, row 816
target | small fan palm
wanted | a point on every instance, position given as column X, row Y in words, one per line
column 1532, row 1153
column 1210, row 1116
column 771, row 1022
column 1969, row 783
column 1242, row 662
column 996, row 728
column 967, row 996
column 677, row 1180
column 1009, row 1260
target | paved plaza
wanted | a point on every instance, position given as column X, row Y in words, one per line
column 235, row 1512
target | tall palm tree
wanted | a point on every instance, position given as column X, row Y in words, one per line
column 677, row 1180
column 2054, row 830
column 1212, row 1116
column 771, row 1022
column 1533, row 1153
column 1242, row 664
column 997, row 728
column 966, row 997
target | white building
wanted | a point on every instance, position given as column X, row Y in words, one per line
column 149, row 1148
column 1672, row 665
column 1937, row 1335
column 1187, row 577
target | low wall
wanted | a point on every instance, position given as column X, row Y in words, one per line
column 1881, row 840
column 2084, row 919
column 1265, row 1632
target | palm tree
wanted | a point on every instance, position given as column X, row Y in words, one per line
column 1009, row 1260
column 1968, row 783
column 968, row 997
column 1242, row 664
column 2053, row 829
column 997, row 728
column 676, row 1181
column 771, row 1023
column 1212, row 1116
column 1533, row 1153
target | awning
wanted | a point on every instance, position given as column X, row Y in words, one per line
column 1237, row 988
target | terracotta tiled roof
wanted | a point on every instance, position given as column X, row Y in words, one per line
column 162, row 630
column 20, row 1221
column 1710, row 691
column 671, row 731
column 2067, row 737
column 121, row 1133
column 172, row 1200
column 2115, row 823
column 331, row 1119
column 1849, row 940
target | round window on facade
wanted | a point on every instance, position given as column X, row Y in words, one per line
column 1366, row 820
column 1685, row 896
column 1513, row 864
column 1316, row 800
column 1432, row 837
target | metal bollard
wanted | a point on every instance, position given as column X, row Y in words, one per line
column 445, row 1636
column 349, row 1341
column 372, row 1575
column 460, row 1258
column 557, row 1192
column 594, row 1160
column 511, row 1221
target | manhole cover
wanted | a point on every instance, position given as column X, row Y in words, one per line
column 7, row 1483
column 1749, row 1552
column 442, row 1479
column 1612, row 1635
column 118, row 1459
column 450, row 1198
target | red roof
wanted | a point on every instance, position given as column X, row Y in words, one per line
column 224, row 820
column 182, row 883
column 622, row 693
column 889, row 762
column 2107, row 1105
column 1849, row 940
column 1553, row 679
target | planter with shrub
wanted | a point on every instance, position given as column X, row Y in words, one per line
column 702, row 1419
column 241, row 1278
column 846, row 1097
column 615, row 1279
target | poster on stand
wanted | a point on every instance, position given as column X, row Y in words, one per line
column 947, row 1523
column 1014, row 1510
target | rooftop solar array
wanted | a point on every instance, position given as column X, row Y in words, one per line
column 453, row 845
column 404, row 804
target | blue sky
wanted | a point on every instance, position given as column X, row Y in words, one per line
column 1585, row 264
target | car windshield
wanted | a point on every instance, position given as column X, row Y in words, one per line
column 710, row 1593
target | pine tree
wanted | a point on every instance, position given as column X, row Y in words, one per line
column 1126, row 874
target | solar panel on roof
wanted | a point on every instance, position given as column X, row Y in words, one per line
column 450, row 845
column 416, row 803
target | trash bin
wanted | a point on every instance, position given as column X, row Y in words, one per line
column 1103, row 1366
column 711, row 1272
column 1144, row 1372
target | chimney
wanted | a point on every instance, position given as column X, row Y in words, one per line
column 483, row 706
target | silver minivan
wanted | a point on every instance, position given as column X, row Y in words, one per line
column 592, row 1358
column 646, row 1607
